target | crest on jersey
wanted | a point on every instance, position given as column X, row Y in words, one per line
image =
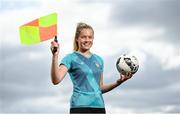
column 97, row 65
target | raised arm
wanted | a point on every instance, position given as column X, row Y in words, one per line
column 58, row 72
column 108, row 87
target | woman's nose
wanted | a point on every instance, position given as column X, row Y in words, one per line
column 87, row 39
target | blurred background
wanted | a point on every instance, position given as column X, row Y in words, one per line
column 148, row 29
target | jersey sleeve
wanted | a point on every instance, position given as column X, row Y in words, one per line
column 66, row 61
column 100, row 60
column 102, row 63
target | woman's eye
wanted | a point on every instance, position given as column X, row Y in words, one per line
column 83, row 37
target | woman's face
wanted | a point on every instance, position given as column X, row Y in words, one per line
column 85, row 39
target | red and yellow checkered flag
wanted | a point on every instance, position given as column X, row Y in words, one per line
column 39, row 30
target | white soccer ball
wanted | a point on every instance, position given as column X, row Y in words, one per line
column 127, row 64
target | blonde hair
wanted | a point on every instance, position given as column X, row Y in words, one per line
column 79, row 28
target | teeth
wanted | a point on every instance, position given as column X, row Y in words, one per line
column 86, row 44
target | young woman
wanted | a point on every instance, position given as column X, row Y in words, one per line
column 86, row 71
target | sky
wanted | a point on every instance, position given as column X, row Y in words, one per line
column 148, row 29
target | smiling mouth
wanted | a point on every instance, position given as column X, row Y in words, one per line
column 87, row 44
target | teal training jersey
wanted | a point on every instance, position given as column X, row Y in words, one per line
column 85, row 73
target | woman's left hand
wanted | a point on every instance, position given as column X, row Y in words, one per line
column 125, row 77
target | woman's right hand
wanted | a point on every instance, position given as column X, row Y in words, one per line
column 54, row 48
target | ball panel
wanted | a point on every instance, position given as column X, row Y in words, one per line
column 127, row 64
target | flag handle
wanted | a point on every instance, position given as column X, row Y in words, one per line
column 55, row 48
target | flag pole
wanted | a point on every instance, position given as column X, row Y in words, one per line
column 55, row 39
column 55, row 48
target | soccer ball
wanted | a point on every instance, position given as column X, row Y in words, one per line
column 127, row 64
